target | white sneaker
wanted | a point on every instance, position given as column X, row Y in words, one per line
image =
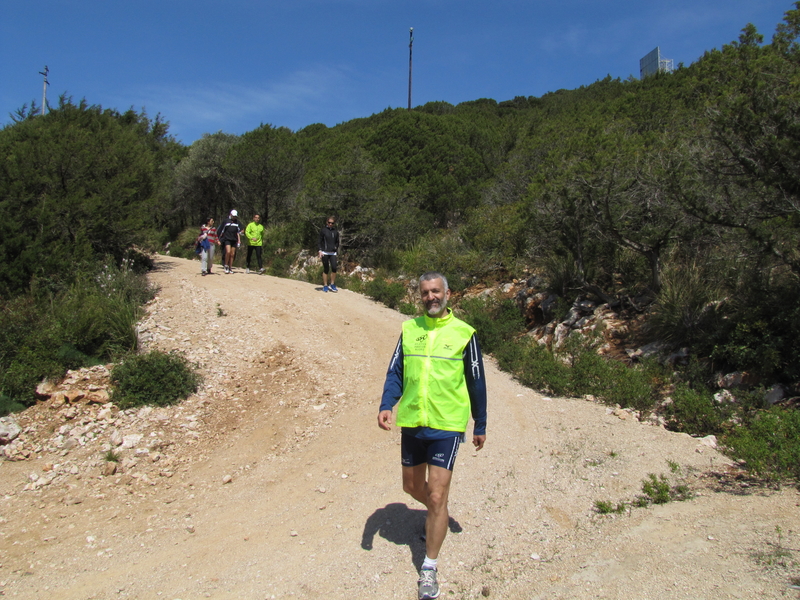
column 247, row 271
column 428, row 584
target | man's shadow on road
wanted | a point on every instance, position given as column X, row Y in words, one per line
column 403, row 526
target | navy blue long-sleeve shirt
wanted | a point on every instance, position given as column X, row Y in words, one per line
column 474, row 375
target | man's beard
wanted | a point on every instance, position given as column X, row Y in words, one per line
column 439, row 307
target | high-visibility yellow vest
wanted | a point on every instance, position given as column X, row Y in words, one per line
column 434, row 387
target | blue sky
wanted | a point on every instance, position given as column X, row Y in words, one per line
column 229, row 66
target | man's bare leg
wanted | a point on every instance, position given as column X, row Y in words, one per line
column 433, row 493
column 439, row 480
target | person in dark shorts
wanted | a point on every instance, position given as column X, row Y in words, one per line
column 254, row 233
column 229, row 234
column 436, row 379
column 328, row 248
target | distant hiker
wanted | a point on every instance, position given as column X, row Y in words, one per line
column 254, row 233
column 436, row 374
column 207, row 240
column 230, row 237
column 328, row 247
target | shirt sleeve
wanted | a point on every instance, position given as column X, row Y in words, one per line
column 393, row 386
column 476, row 384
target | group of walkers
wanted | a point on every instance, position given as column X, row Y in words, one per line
column 228, row 236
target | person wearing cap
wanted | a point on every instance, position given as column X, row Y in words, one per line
column 229, row 234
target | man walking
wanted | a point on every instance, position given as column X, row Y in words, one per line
column 436, row 373
column 328, row 247
column 229, row 234
column 254, row 233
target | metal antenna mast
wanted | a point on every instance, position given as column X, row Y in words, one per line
column 44, row 87
column 410, row 44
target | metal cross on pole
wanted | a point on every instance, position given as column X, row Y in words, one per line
column 44, row 87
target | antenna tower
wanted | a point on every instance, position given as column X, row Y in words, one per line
column 44, row 87
column 410, row 44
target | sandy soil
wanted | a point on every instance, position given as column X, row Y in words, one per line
column 314, row 506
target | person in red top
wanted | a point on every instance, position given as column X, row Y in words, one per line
column 207, row 239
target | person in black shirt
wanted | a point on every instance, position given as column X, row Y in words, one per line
column 229, row 234
column 328, row 247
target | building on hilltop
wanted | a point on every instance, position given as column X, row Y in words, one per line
column 652, row 63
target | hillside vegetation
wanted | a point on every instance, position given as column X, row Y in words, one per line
column 675, row 198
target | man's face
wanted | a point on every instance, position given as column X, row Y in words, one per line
column 434, row 297
column 256, row 218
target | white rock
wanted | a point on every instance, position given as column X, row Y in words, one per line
column 129, row 441
column 9, row 430
column 709, row 440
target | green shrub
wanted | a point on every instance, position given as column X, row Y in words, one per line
column 312, row 274
column 183, row 246
column 8, row 406
column 390, row 294
column 694, row 411
column 96, row 317
column 408, row 308
column 345, row 282
column 356, row 284
column 535, row 366
column 497, row 231
column 758, row 330
column 562, row 274
column 769, row 443
column 656, row 489
column 684, row 309
column 497, row 322
column 36, row 359
column 447, row 253
column 279, row 264
column 159, row 378
column 604, row 507
column 631, row 386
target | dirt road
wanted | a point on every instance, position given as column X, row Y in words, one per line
column 276, row 481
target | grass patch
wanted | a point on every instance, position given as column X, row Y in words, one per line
column 778, row 554
column 605, row 507
column 656, row 489
column 112, row 456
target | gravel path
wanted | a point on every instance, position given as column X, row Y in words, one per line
column 279, row 484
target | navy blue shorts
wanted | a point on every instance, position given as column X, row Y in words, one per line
column 437, row 453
